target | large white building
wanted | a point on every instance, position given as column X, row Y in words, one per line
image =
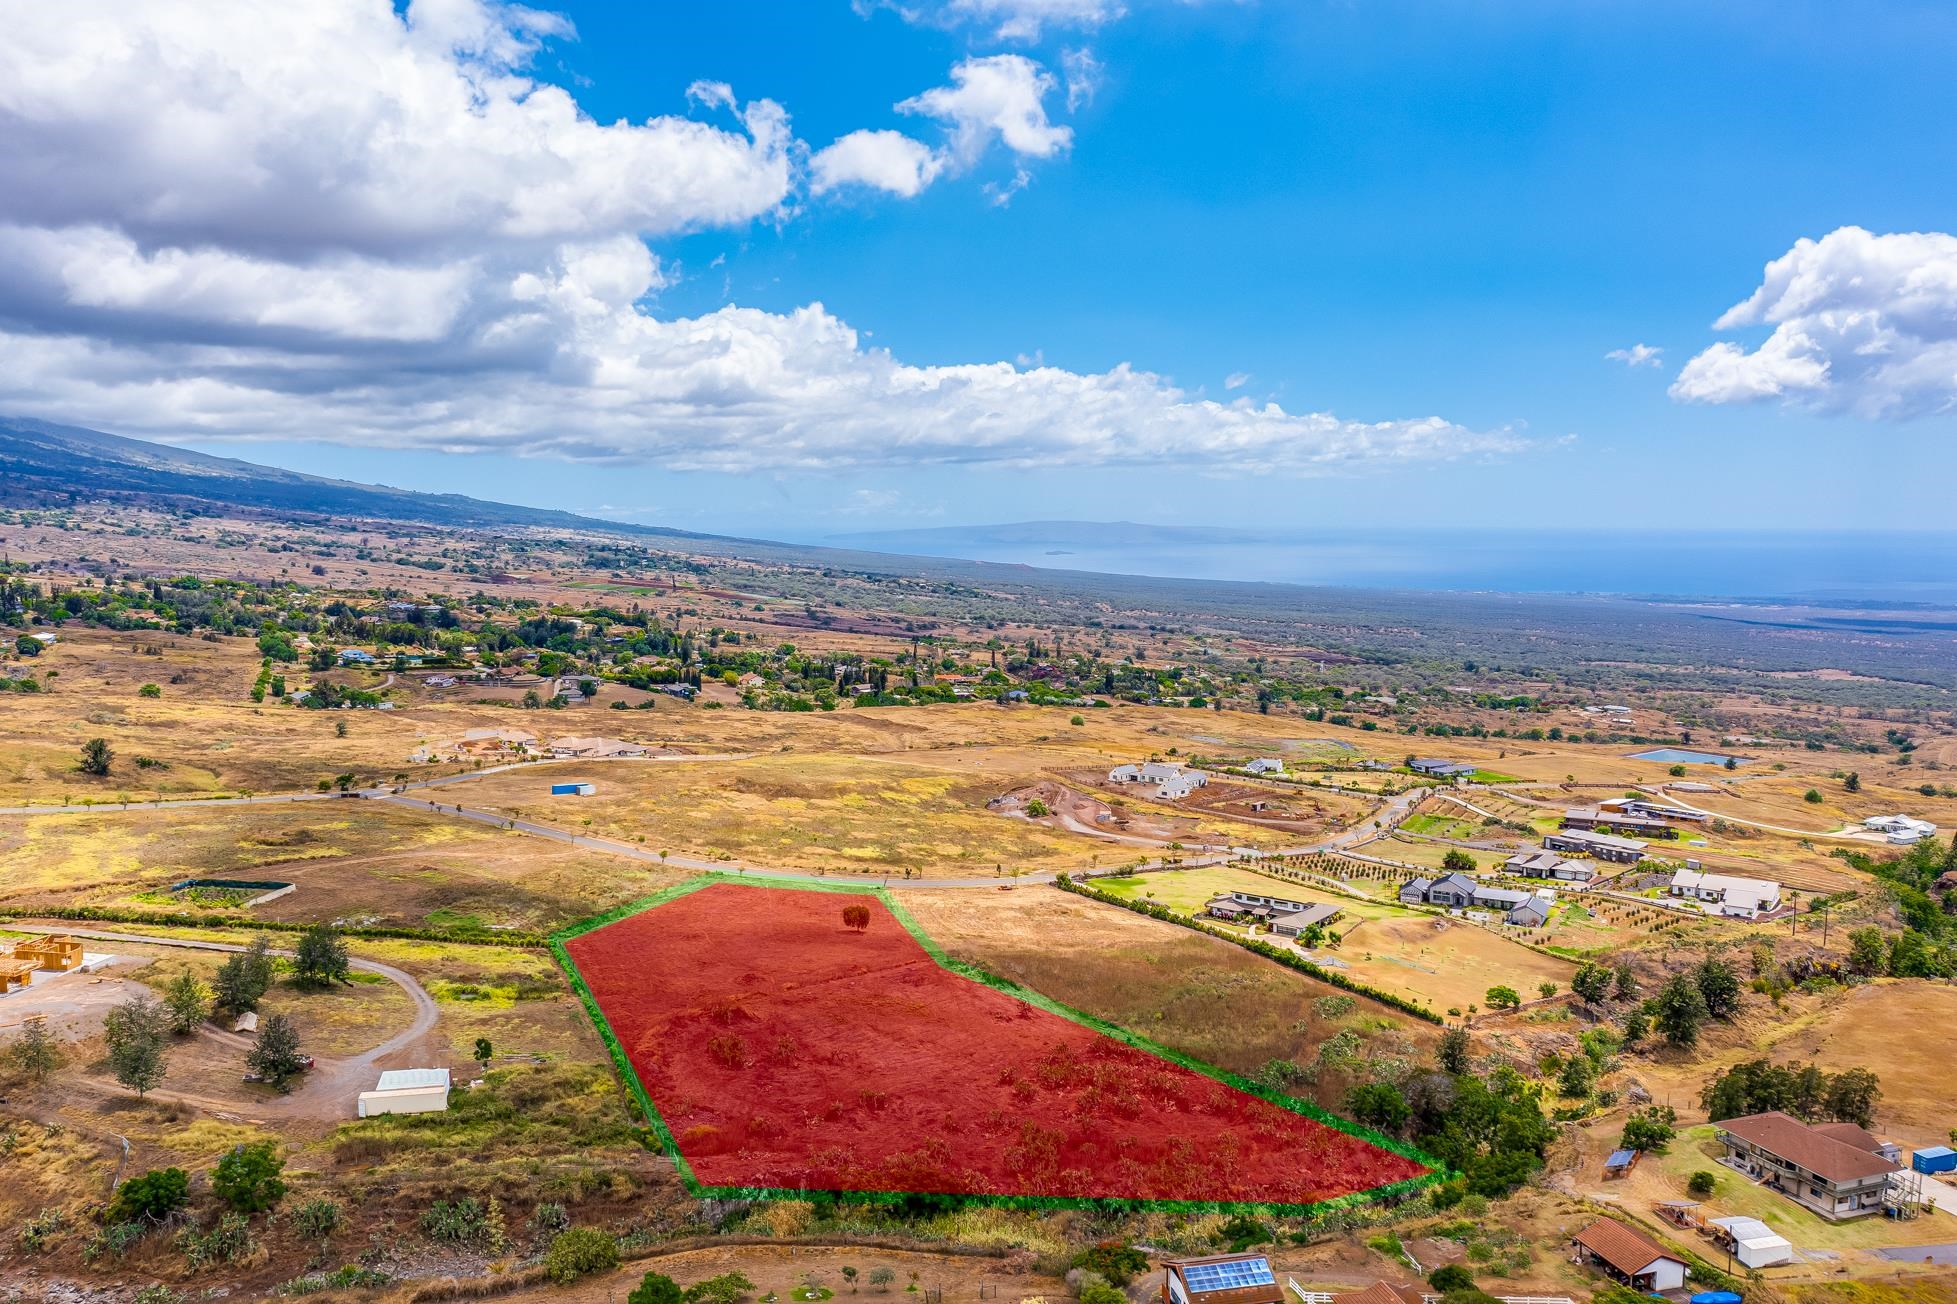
column 1900, row 829
column 407, row 1091
column 1172, row 781
column 1727, row 894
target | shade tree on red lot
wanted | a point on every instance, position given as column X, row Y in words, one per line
column 856, row 916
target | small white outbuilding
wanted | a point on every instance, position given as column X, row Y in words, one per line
column 1755, row 1244
column 407, row 1091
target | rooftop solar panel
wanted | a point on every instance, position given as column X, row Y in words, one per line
column 1205, row 1277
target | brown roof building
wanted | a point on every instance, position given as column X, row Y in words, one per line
column 1382, row 1292
column 1628, row 1255
column 1826, row 1169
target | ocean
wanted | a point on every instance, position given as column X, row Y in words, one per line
column 1883, row 568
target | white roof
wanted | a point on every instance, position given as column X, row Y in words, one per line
column 1900, row 824
column 411, row 1079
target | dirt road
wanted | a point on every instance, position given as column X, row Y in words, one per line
column 325, row 1092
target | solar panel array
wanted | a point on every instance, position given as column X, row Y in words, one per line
column 1204, row 1277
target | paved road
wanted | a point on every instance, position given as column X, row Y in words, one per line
column 330, row 1087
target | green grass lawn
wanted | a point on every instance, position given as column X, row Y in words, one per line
column 1695, row 1149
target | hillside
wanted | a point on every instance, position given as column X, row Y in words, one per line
column 43, row 464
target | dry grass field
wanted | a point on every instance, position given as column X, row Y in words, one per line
column 1199, row 995
column 366, row 861
column 1449, row 964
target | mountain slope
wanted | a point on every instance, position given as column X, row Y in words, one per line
column 43, row 463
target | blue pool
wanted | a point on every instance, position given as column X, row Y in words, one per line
column 1683, row 756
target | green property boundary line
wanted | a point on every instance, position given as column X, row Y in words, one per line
column 559, row 945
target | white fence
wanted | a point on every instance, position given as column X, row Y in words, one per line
column 1326, row 1296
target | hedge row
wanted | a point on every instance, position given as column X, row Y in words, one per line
column 1289, row 959
column 196, row 919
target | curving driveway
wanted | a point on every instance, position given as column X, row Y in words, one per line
column 334, row 1080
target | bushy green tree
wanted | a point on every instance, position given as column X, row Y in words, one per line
column 1591, row 983
column 248, row 1177
column 151, row 1197
column 578, row 1252
column 1451, row 1276
column 655, row 1288
column 245, row 977
column 1720, row 987
column 96, row 757
column 1679, row 1010
column 1378, row 1104
column 275, row 1056
column 188, row 1002
column 727, row 1288
column 1650, row 1128
column 320, row 959
column 135, row 1032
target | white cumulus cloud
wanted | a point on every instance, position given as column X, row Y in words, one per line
column 1638, row 355
column 338, row 221
column 1862, row 323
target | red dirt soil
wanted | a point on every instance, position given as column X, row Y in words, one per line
column 786, row 1050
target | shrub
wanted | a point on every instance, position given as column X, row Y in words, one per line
column 579, row 1252
column 1450, row 1277
column 1701, row 1183
column 1118, row 1262
column 247, row 1178
column 316, row 1219
column 467, row 1221
column 226, row 1242
column 727, row 1288
column 655, row 1288
column 149, row 690
column 1102, row 1295
column 856, row 916
column 150, row 1198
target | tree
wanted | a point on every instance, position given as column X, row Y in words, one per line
column 1636, row 1025
column 248, row 1177
column 34, row 1054
column 245, row 977
column 1626, row 983
column 1117, row 1262
column 275, row 1056
column 1378, row 1104
column 1457, row 861
column 1577, row 1077
column 1453, row 1051
column 135, row 1031
column 27, row 646
column 1867, row 954
column 484, row 1053
column 1812, row 796
column 728, row 1287
column 1678, row 1010
column 96, row 757
column 856, row 916
column 188, row 1002
column 1545, row 989
column 1591, row 983
column 849, row 1275
column 578, row 1252
column 1449, row 1277
column 1852, row 1095
column 881, row 1277
column 320, row 959
column 151, row 1197
column 655, row 1288
column 1503, row 998
column 1701, row 1184
column 1651, row 1128
column 1720, row 987
column 1853, row 783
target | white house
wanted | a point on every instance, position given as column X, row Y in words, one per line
column 406, row 1091
column 1265, row 765
column 1172, row 781
column 1900, row 829
column 1726, row 894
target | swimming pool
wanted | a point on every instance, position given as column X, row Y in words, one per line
column 1685, row 756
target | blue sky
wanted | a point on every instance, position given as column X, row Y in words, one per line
column 1381, row 211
